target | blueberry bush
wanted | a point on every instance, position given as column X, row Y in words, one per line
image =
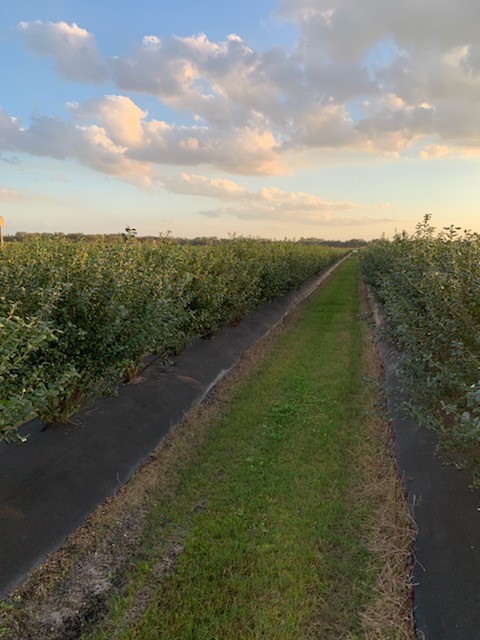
column 429, row 286
column 76, row 316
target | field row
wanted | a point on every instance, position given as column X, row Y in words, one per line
column 429, row 285
column 76, row 316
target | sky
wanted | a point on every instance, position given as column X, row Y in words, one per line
column 272, row 118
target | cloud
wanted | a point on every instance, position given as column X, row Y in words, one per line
column 393, row 125
column 268, row 197
column 434, row 151
column 323, row 126
column 9, row 159
column 73, row 49
column 323, row 218
column 244, row 150
column 420, row 52
column 373, row 77
column 120, row 117
column 348, row 28
column 300, row 201
column 12, row 196
column 268, row 203
column 195, row 185
column 228, row 87
column 113, row 135
column 20, row 197
column 61, row 139
column 226, row 82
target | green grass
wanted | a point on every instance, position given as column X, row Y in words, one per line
column 273, row 540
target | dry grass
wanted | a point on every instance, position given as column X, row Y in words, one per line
column 389, row 615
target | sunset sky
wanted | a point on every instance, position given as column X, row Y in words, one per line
column 287, row 118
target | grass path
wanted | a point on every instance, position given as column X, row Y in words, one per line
column 266, row 530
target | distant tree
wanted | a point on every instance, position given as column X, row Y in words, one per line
column 129, row 234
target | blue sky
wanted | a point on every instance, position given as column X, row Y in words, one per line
column 277, row 119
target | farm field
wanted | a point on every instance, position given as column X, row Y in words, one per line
column 429, row 286
column 239, row 333
column 275, row 511
column 264, row 515
column 76, row 317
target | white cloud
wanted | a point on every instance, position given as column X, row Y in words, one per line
column 268, row 203
column 73, row 49
column 237, row 150
column 244, row 150
column 121, row 118
column 195, row 185
column 369, row 76
column 306, row 216
column 422, row 52
column 122, row 141
column 60, row 139
column 268, row 197
column 225, row 82
column 300, row 201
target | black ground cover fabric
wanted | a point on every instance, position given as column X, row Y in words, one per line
column 447, row 515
